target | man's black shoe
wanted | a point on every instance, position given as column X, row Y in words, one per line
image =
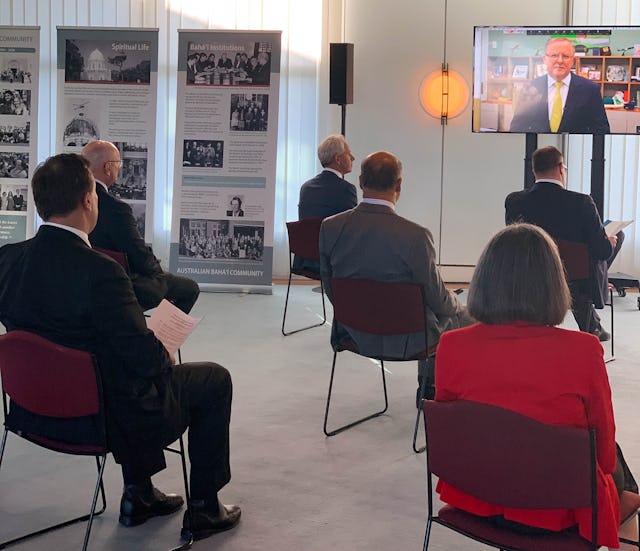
column 602, row 334
column 138, row 504
column 207, row 521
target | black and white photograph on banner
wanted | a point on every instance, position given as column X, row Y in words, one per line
column 229, row 65
column 15, row 102
column 133, row 147
column 132, row 180
column 203, row 153
column 235, row 206
column 107, row 61
column 15, row 134
column 249, row 112
column 15, row 69
column 82, row 115
column 221, row 239
column 13, row 197
column 14, row 165
column 139, row 213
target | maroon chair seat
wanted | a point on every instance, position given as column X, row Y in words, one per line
column 304, row 238
column 505, row 458
column 380, row 309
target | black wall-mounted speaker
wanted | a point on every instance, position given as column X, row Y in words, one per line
column 340, row 73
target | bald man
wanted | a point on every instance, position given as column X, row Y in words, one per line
column 372, row 241
column 117, row 230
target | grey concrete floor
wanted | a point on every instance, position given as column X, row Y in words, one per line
column 363, row 489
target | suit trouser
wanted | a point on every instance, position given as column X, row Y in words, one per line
column 181, row 291
column 203, row 391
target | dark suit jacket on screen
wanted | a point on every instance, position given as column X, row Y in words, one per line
column 567, row 215
column 58, row 287
column 373, row 242
column 583, row 113
column 117, row 230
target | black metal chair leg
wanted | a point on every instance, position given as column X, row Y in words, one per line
column 613, row 355
column 188, row 535
column 354, row 423
column 426, row 535
column 99, row 489
column 423, row 388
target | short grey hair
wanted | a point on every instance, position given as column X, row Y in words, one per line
column 330, row 147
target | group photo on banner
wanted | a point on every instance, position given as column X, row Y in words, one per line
column 225, row 163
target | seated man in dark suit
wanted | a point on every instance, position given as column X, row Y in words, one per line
column 117, row 230
column 58, row 287
column 571, row 216
column 328, row 193
column 560, row 101
column 372, row 241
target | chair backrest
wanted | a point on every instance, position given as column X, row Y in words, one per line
column 304, row 236
column 508, row 459
column 118, row 256
column 378, row 307
column 575, row 258
column 49, row 379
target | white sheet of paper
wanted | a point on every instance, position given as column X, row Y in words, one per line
column 611, row 227
column 171, row 325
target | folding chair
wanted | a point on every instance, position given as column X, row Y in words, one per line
column 380, row 309
column 51, row 380
column 303, row 243
column 505, row 458
column 576, row 261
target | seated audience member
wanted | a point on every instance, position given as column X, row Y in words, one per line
column 571, row 216
column 516, row 359
column 117, row 230
column 327, row 193
column 372, row 241
column 57, row 286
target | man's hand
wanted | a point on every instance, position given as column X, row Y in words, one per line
column 172, row 358
column 613, row 240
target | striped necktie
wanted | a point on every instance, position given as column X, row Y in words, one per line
column 556, row 109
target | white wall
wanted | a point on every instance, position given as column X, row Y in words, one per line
column 455, row 182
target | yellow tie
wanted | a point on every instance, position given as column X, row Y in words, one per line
column 556, row 110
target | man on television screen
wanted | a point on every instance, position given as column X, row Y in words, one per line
column 560, row 101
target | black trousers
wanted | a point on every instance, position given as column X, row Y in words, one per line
column 150, row 291
column 203, row 391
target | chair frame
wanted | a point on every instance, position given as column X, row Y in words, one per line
column 100, row 457
column 450, row 434
column 415, row 290
column 309, row 252
column 576, row 260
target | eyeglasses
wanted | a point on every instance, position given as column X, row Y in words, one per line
column 561, row 57
column 119, row 163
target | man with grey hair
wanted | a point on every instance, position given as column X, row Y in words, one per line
column 328, row 193
column 372, row 241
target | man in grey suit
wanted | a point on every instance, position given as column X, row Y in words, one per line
column 371, row 241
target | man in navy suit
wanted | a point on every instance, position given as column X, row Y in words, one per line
column 57, row 286
column 570, row 216
column 579, row 109
column 117, row 230
column 328, row 193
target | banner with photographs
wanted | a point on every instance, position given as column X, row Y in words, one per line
column 225, row 166
column 107, row 90
column 19, row 62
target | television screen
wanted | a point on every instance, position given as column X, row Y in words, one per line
column 575, row 80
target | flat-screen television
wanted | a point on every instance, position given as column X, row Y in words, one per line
column 575, row 80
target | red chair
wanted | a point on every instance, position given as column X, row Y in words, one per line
column 303, row 243
column 118, row 256
column 380, row 309
column 576, row 261
column 47, row 379
column 505, row 458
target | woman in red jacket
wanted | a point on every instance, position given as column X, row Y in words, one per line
column 516, row 358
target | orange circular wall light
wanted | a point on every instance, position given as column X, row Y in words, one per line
column 444, row 94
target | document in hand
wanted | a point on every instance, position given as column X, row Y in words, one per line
column 171, row 325
column 611, row 227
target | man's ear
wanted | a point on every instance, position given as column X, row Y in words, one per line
column 398, row 185
column 360, row 182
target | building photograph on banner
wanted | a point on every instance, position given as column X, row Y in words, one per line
column 19, row 63
column 226, row 138
column 107, row 90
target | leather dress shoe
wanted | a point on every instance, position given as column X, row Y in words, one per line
column 207, row 521
column 602, row 334
column 138, row 504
